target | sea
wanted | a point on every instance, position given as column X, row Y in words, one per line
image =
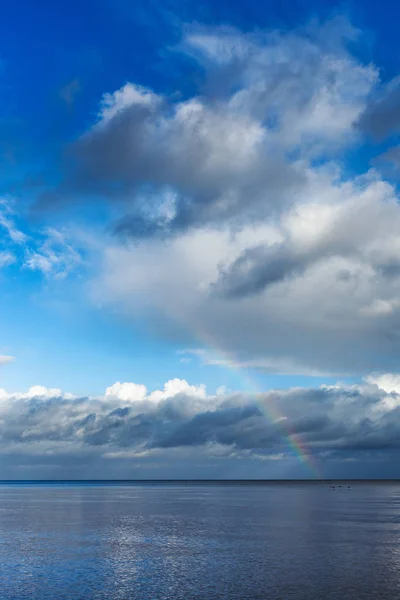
column 199, row 540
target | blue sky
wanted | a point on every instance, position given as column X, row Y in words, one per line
column 205, row 195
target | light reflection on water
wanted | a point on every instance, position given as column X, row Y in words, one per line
column 245, row 542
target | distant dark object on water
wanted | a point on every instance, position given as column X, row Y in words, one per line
column 333, row 487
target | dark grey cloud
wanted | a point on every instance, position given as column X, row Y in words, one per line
column 381, row 117
column 257, row 268
column 147, row 153
column 326, row 420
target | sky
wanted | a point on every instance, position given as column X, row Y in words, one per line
column 199, row 240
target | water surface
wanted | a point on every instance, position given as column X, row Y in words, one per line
column 184, row 541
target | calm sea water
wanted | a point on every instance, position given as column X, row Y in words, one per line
column 300, row 541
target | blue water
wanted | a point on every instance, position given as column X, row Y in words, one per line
column 189, row 542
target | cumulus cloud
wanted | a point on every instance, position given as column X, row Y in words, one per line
column 389, row 382
column 314, row 291
column 129, row 422
column 131, row 392
column 230, row 156
column 314, row 232
column 182, row 165
column 237, row 209
column 239, row 228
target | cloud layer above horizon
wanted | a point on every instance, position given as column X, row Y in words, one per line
column 130, row 428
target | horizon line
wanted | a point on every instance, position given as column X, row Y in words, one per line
column 255, row 481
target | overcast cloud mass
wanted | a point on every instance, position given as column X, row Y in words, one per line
column 229, row 218
column 239, row 209
column 356, row 427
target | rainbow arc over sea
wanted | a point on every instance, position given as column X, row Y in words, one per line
column 297, row 447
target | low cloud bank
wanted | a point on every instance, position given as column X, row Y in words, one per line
column 128, row 421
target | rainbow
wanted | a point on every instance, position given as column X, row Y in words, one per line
column 297, row 446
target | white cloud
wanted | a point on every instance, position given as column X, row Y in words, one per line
column 7, row 209
column 6, row 259
column 305, row 80
column 4, row 359
column 36, row 391
column 51, row 251
column 131, row 392
column 178, row 386
column 53, row 254
column 129, row 95
column 389, row 382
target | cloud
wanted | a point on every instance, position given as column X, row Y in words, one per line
column 233, row 202
column 69, row 92
column 178, row 386
column 238, row 226
column 258, row 267
column 196, row 160
column 131, row 392
column 381, row 116
column 6, row 259
column 316, row 232
column 229, row 157
column 389, row 382
column 315, row 291
column 330, row 423
column 50, row 250
column 4, row 359
column 15, row 235
column 390, row 160
column 53, row 255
